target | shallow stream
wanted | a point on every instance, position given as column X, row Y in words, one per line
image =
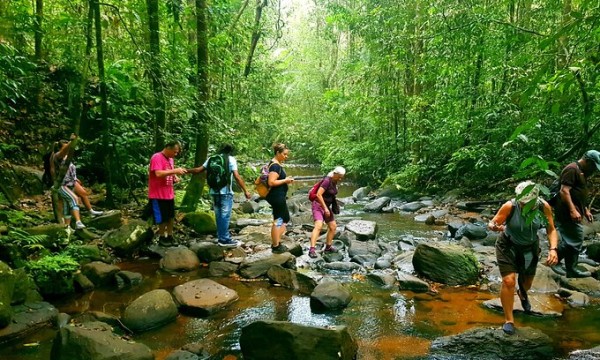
column 388, row 324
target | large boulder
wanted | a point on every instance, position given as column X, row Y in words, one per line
column 179, row 259
column 28, row 318
column 30, row 179
column 358, row 248
column 151, row 310
column 95, row 341
column 101, row 274
column 25, row 289
column 447, row 264
column 377, row 204
column 472, row 232
column 360, row 193
column 203, row 297
column 7, row 286
column 267, row 340
column 329, row 295
column 586, row 354
column 207, row 251
column 412, row 283
column 109, row 220
column 480, row 343
column 259, row 263
column 363, row 229
column 129, row 237
column 544, row 305
column 292, row 279
column 202, row 222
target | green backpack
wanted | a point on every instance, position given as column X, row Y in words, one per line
column 217, row 172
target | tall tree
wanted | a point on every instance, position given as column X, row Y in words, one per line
column 106, row 136
column 194, row 189
column 156, row 75
column 39, row 16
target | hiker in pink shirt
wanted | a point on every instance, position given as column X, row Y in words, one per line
column 162, row 177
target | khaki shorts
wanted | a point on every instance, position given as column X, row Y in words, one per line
column 513, row 258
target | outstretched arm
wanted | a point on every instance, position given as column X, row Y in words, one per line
column 498, row 223
column 240, row 182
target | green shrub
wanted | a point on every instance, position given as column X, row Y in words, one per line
column 53, row 274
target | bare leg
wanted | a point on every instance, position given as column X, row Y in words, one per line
column 276, row 232
column 507, row 296
column 83, row 195
column 332, row 225
column 315, row 233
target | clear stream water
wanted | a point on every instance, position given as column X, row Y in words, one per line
column 388, row 324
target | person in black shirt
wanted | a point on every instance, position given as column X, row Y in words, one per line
column 278, row 182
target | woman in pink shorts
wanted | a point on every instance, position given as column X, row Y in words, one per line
column 322, row 210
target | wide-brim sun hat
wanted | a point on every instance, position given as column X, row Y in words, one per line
column 532, row 192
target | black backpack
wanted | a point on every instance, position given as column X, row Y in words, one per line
column 217, row 171
column 554, row 190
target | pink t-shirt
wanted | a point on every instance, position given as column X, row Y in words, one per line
column 160, row 187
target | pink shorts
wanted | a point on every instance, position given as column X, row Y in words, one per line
column 319, row 214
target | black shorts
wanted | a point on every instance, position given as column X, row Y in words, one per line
column 162, row 210
column 280, row 209
column 511, row 257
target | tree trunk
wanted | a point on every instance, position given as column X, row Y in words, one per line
column 106, row 149
column 260, row 5
column 39, row 16
column 194, row 189
column 156, row 76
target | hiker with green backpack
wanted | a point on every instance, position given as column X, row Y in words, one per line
column 220, row 169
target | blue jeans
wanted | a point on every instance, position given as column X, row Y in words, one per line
column 222, row 204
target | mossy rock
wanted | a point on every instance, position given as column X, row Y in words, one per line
column 202, row 222
column 7, row 286
column 87, row 253
column 446, row 264
column 25, row 289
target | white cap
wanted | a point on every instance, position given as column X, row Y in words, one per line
column 339, row 170
column 532, row 194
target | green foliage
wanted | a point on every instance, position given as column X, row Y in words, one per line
column 25, row 241
column 53, row 274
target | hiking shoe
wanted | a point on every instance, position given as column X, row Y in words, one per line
column 79, row 225
column 279, row 249
column 96, row 212
column 508, row 328
column 312, row 253
column 229, row 243
column 330, row 249
column 165, row 241
column 524, row 300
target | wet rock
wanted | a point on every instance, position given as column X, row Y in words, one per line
column 180, row 259
column 95, row 341
column 544, row 305
column 88, row 253
column 221, row 268
column 332, row 256
column 260, row 234
column 453, row 227
column 267, row 340
column 182, row 355
column 101, row 274
column 360, row 193
column 341, row 266
column 447, row 264
column 207, row 251
column 482, row 343
column 126, row 279
column 249, row 207
column 347, row 237
column 383, row 263
column 575, row 298
column 363, row 229
column 203, row 297
column 291, row 279
column 24, row 290
column 242, row 223
column 383, row 279
column 129, row 237
column 430, row 217
column 593, row 251
column 366, row 260
column 587, row 354
column 202, row 222
column 364, row 248
column 404, row 262
column 377, row 204
column 258, row 264
column 329, row 295
column 62, row 320
column 472, row 232
column 412, row 206
column 82, row 283
column 151, row 310
column 544, row 282
column 587, row 285
column 28, row 318
column 113, row 219
column 412, row 283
